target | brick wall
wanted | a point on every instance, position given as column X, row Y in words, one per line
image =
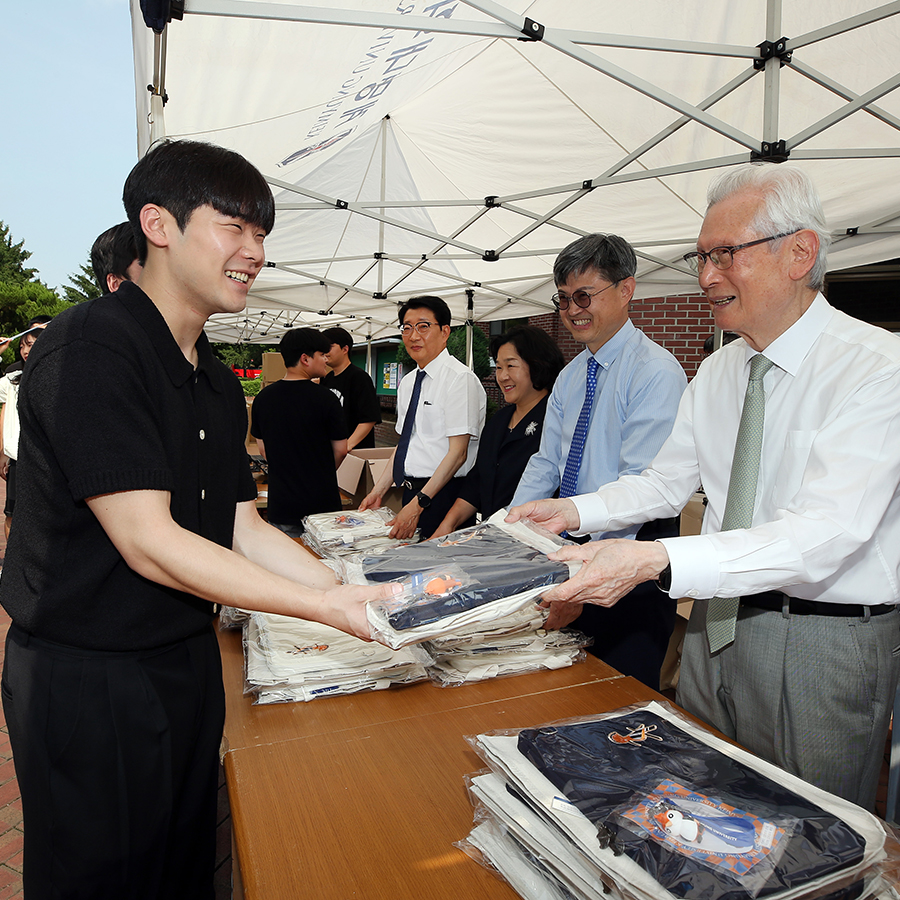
column 680, row 324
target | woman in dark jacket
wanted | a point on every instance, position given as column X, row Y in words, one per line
column 528, row 362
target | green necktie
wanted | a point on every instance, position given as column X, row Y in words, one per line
column 721, row 612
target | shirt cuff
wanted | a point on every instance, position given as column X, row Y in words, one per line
column 695, row 567
column 593, row 513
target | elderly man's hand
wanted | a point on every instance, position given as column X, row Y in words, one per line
column 611, row 569
column 554, row 515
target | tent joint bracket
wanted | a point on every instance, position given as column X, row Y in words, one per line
column 532, row 30
column 772, row 50
column 770, row 151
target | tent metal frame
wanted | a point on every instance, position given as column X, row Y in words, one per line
column 765, row 60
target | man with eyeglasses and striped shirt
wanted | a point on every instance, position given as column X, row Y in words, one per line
column 610, row 411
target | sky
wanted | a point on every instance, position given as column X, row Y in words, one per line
column 68, row 138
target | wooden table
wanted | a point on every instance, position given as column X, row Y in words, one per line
column 363, row 796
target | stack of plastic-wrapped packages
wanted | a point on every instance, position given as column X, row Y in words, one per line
column 643, row 804
column 336, row 534
column 471, row 597
column 293, row 659
column 467, row 612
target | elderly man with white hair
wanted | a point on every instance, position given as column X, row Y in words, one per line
column 794, row 433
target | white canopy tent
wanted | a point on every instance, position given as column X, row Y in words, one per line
column 454, row 146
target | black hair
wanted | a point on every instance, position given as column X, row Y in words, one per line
column 339, row 336
column 544, row 358
column 297, row 341
column 612, row 256
column 38, row 320
column 113, row 252
column 182, row 176
column 435, row 304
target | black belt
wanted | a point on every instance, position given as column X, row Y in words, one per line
column 413, row 484
column 774, row 601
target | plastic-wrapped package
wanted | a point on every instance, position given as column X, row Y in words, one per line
column 293, row 659
column 336, row 534
column 492, row 846
column 506, row 568
column 232, row 617
column 586, row 778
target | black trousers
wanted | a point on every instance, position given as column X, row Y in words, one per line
column 117, row 760
column 633, row 635
column 440, row 504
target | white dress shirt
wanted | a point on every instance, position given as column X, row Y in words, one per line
column 452, row 402
column 826, row 524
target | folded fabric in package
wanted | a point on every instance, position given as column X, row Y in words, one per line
column 293, row 659
column 513, row 645
column 336, row 534
column 503, row 567
column 645, row 803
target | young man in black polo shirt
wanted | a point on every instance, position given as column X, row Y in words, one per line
column 354, row 388
column 300, row 431
column 137, row 517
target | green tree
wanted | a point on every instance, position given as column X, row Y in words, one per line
column 82, row 285
column 13, row 258
column 456, row 346
column 20, row 303
column 242, row 356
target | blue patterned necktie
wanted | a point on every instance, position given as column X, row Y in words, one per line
column 406, row 434
column 721, row 612
column 569, row 485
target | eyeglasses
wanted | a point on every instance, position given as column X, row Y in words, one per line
column 723, row 257
column 421, row 327
column 582, row 299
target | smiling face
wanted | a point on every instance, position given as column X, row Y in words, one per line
column 514, row 377
column 607, row 313
column 764, row 290
column 423, row 348
column 214, row 261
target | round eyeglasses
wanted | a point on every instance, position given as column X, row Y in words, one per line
column 421, row 327
column 723, row 257
column 582, row 299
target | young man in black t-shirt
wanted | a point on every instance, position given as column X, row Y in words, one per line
column 300, row 431
column 354, row 388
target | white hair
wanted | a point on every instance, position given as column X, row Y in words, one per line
column 790, row 203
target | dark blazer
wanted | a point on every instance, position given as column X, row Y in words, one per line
column 502, row 457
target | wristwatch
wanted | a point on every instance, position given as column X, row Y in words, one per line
column 664, row 579
column 424, row 500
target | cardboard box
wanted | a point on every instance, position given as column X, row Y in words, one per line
column 272, row 368
column 360, row 471
column 692, row 514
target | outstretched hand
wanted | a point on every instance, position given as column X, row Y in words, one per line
column 611, row 569
column 345, row 606
column 554, row 515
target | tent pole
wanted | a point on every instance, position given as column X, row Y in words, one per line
column 158, row 89
column 470, row 325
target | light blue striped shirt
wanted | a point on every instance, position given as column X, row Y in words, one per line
column 639, row 385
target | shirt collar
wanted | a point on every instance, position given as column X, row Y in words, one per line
column 790, row 348
column 151, row 320
column 437, row 363
column 610, row 351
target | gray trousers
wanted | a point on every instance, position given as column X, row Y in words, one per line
column 812, row 694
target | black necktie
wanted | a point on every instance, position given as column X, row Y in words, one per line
column 406, row 434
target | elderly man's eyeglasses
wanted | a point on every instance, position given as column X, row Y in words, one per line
column 582, row 299
column 723, row 257
column 421, row 327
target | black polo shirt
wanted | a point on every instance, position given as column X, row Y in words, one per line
column 111, row 404
column 358, row 398
column 503, row 454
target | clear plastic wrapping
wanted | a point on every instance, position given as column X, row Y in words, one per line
column 338, row 534
column 599, row 793
column 290, row 659
column 506, row 568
